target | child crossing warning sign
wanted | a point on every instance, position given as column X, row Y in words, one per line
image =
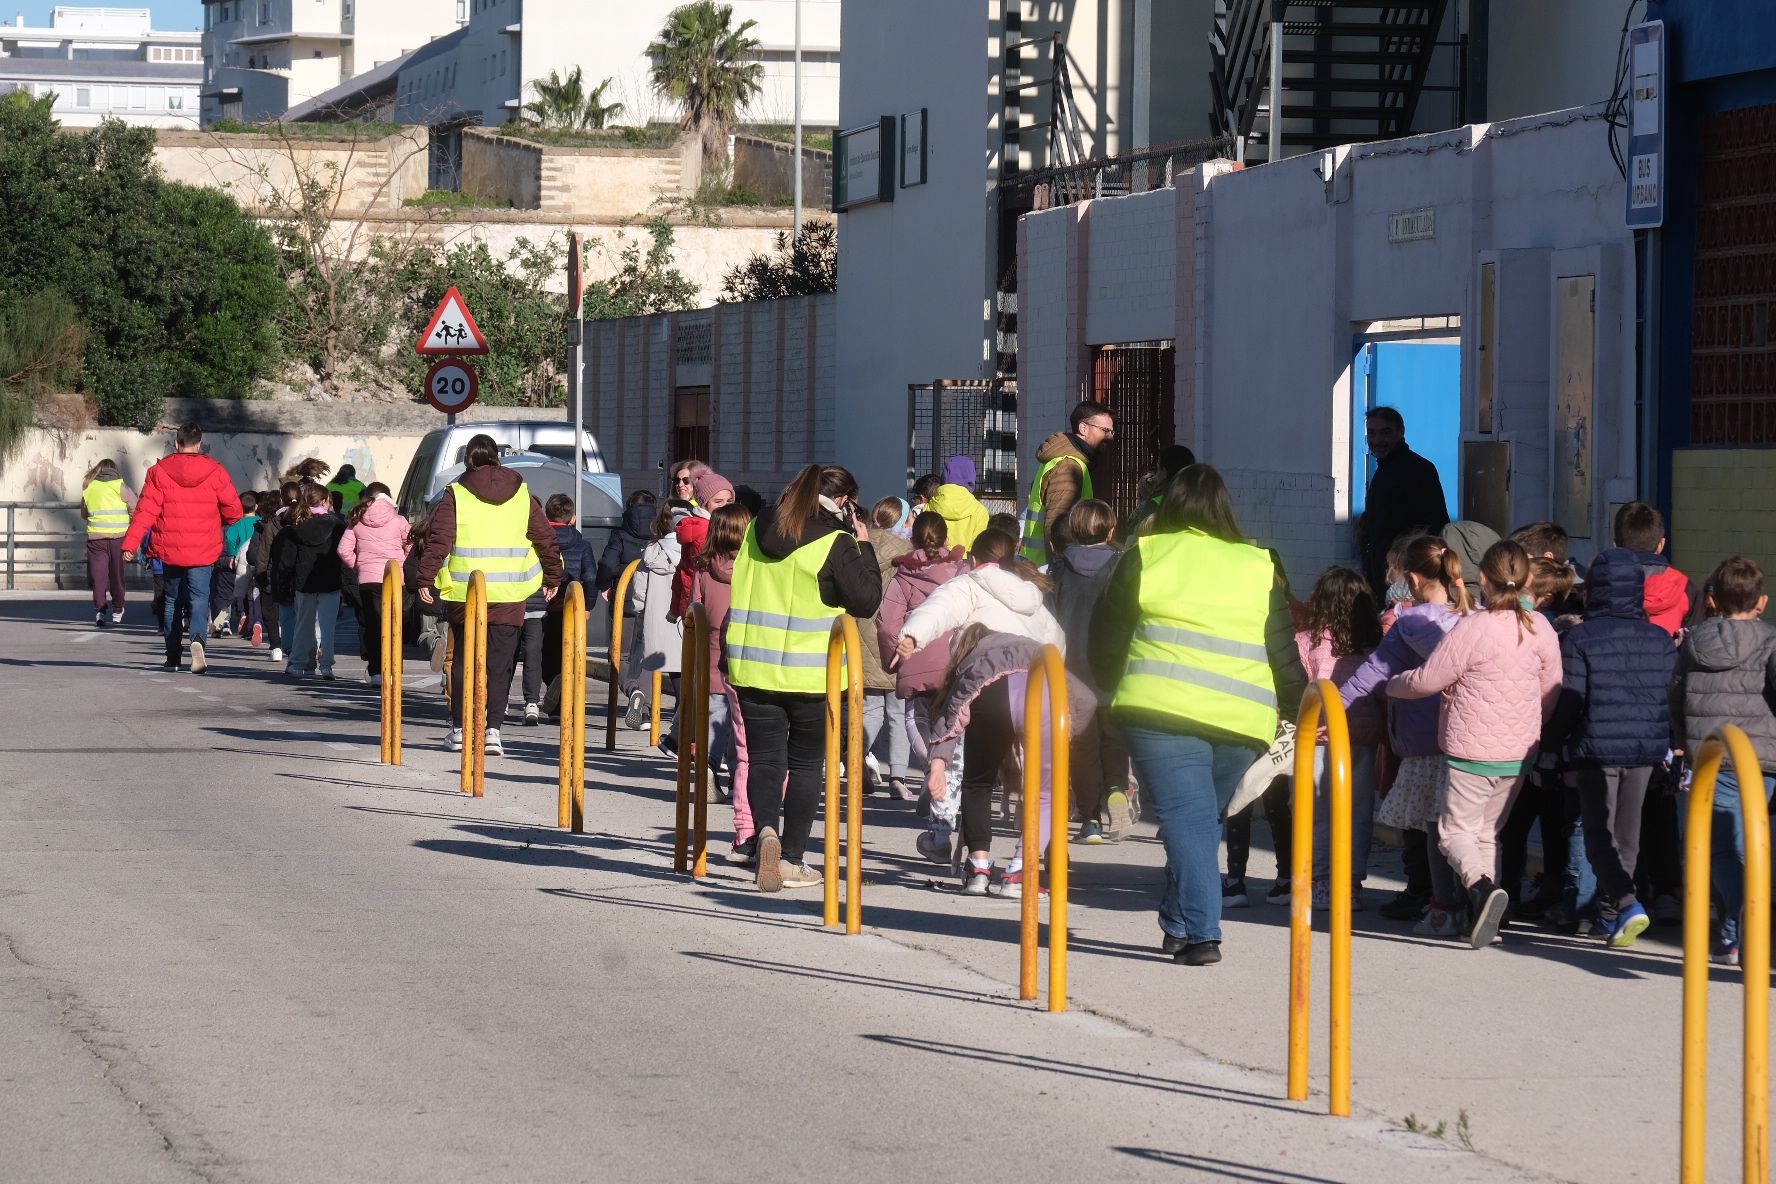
column 452, row 330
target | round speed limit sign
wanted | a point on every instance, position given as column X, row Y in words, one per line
column 451, row 385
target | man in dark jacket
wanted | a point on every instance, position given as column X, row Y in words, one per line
column 1614, row 724
column 187, row 500
column 1404, row 494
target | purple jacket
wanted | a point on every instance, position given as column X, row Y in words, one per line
column 1412, row 723
column 995, row 658
column 916, row 576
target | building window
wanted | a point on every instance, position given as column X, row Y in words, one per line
column 83, row 96
column 265, row 12
column 175, row 102
column 502, row 63
column 139, row 98
column 227, row 13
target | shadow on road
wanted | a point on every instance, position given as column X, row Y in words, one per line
column 1223, row 1168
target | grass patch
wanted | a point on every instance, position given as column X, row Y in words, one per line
column 448, row 199
column 344, row 131
column 784, row 133
column 654, row 135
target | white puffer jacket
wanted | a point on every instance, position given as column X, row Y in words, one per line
column 992, row 597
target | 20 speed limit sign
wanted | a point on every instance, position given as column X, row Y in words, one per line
column 451, row 385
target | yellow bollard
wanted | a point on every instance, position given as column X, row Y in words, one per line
column 474, row 708
column 1754, row 958
column 1048, row 673
column 618, row 598
column 659, row 689
column 392, row 651
column 571, row 772
column 1321, row 697
column 844, row 662
column 691, row 838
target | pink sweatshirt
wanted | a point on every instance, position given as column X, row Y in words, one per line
column 380, row 537
column 1497, row 689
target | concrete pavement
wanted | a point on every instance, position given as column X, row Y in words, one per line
column 233, row 947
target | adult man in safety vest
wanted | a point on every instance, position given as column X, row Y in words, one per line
column 1063, row 476
column 105, row 505
column 487, row 521
column 346, row 484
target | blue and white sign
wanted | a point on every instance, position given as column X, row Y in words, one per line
column 1646, row 125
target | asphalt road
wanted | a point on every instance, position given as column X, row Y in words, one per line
column 234, row 947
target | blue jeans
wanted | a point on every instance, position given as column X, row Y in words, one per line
column 1189, row 780
column 318, row 613
column 1727, row 848
column 187, row 588
column 1362, row 813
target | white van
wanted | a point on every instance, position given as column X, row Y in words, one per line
column 441, row 450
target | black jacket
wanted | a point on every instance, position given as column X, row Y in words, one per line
column 1119, row 612
column 1617, row 665
column 625, row 546
column 305, row 558
column 1404, row 494
column 1080, row 576
column 849, row 579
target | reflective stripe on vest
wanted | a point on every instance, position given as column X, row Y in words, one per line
column 1035, row 544
column 1198, row 651
column 107, row 517
column 778, row 626
column 512, row 573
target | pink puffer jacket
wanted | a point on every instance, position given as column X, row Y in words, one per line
column 916, row 577
column 378, row 538
column 1498, row 687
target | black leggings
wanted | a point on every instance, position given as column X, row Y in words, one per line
column 785, row 734
column 985, row 745
column 1276, row 813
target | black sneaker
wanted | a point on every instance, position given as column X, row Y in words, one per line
column 1406, row 906
column 1281, row 892
column 99, row 619
column 669, row 746
column 1233, row 893
column 1172, row 946
column 1199, row 953
column 1486, row 905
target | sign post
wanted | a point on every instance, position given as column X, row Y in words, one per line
column 451, row 384
column 576, row 347
column 1646, row 126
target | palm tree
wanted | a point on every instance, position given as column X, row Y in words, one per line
column 563, row 102
column 702, row 61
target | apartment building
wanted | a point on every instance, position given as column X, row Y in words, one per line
column 104, row 63
column 262, row 57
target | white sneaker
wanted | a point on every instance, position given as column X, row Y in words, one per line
column 117, row 617
column 453, row 740
column 533, row 714
column 1437, row 923
column 277, row 654
column 198, row 665
column 221, row 621
column 492, row 746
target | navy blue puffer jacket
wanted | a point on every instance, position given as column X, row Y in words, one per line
column 1613, row 699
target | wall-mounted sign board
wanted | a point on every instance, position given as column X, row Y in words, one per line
column 912, row 148
column 863, row 164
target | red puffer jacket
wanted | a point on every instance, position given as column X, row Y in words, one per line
column 186, row 500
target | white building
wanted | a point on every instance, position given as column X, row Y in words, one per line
column 262, row 57
column 484, row 73
column 105, row 63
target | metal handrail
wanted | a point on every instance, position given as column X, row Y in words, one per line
column 39, row 540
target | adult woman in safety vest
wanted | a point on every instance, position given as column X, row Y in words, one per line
column 105, row 504
column 803, row 563
column 1194, row 633
column 487, row 521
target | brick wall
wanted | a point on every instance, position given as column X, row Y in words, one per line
column 1720, row 506
column 1292, row 512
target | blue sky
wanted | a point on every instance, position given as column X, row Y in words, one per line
column 176, row 16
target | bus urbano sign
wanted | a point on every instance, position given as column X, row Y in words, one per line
column 864, row 162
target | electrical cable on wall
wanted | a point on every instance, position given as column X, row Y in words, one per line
column 1615, row 111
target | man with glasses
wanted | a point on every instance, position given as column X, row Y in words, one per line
column 1063, row 475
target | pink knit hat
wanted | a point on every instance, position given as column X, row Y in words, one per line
column 706, row 483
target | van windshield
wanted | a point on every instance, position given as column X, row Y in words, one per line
column 419, row 474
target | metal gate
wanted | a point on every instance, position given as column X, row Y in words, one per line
column 976, row 418
column 1136, row 380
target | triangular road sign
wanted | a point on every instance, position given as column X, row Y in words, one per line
column 452, row 330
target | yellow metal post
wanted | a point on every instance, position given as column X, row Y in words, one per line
column 1322, row 698
column 690, row 843
column 394, row 591
column 1047, row 674
column 844, row 664
column 474, row 707
column 654, row 724
column 619, row 598
column 1754, row 958
column 572, row 706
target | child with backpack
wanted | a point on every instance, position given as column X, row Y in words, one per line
column 1100, row 763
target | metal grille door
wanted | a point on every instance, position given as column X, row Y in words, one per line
column 972, row 418
column 1136, row 381
column 1733, row 348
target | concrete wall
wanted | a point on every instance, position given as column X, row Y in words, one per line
column 597, row 183
column 1265, row 277
column 768, row 366
column 262, row 172
column 768, row 168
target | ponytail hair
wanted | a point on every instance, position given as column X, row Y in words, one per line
column 1430, row 558
column 995, row 546
column 1505, row 571
column 931, row 534
column 801, row 498
column 105, row 470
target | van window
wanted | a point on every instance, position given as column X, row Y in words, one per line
column 419, row 474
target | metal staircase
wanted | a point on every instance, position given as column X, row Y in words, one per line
column 1289, row 76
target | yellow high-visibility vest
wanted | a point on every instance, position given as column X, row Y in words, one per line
column 485, row 535
column 778, row 625
column 1035, row 544
column 350, row 493
column 1198, row 652
column 107, row 517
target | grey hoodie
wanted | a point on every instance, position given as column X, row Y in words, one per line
column 994, row 658
column 1726, row 674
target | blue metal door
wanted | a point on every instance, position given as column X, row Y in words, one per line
column 1422, row 381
